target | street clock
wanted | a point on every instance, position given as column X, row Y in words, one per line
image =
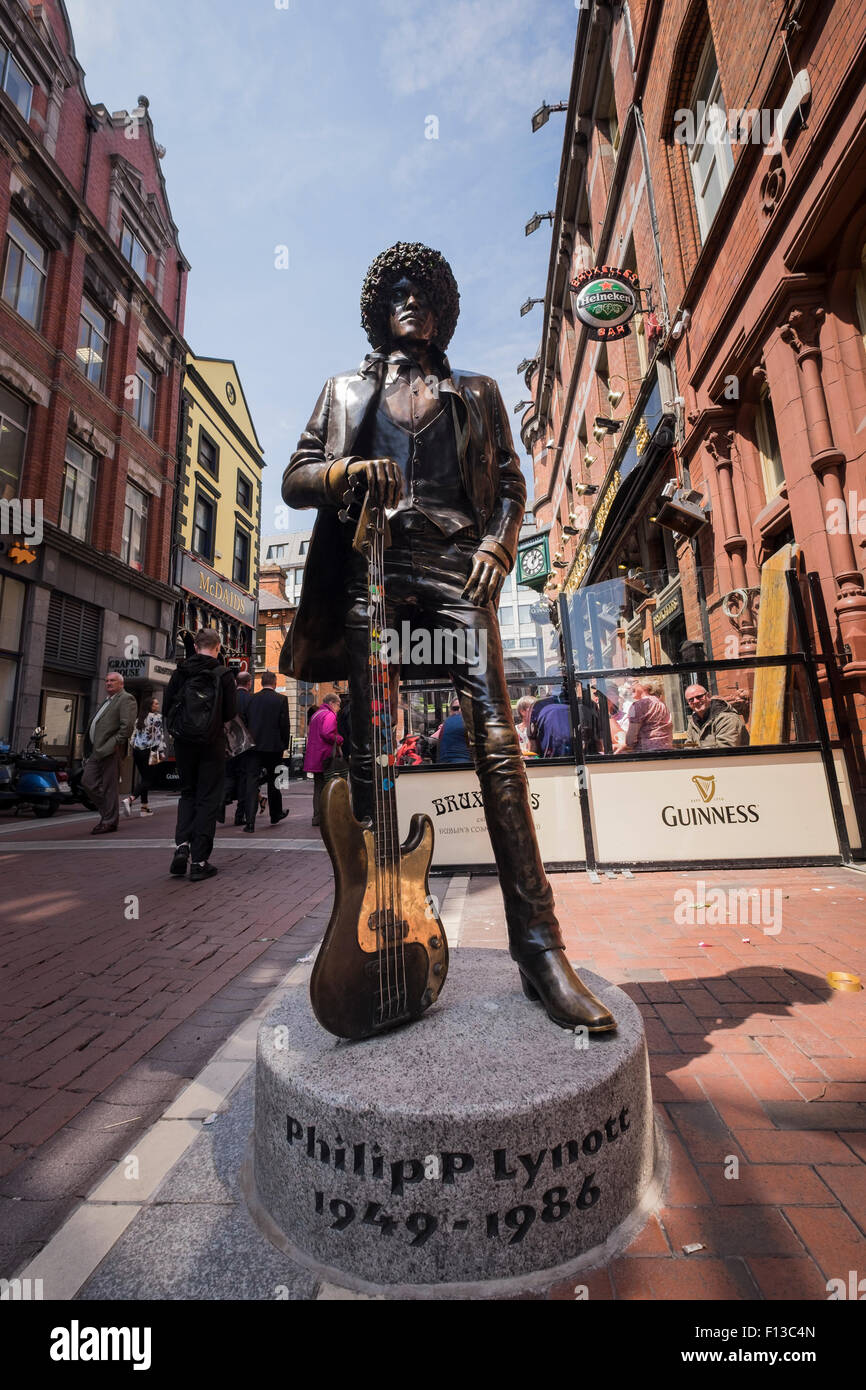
column 533, row 562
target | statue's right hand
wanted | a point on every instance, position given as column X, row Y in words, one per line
column 382, row 478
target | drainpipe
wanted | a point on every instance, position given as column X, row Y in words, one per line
column 92, row 125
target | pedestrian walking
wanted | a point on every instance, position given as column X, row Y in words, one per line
column 107, row 737
column 200, row 699
column 322, row 742
column 241, row 768
column 148, row 750
column 267, row 719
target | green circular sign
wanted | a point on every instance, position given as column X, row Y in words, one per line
column 605, row 301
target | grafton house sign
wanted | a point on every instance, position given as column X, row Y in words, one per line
column 605, row 300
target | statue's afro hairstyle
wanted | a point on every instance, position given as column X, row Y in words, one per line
column 427, row 268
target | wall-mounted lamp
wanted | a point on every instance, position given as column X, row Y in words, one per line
column 542, row 115
column 606, row 425
column 527, row 305
column 536, row 220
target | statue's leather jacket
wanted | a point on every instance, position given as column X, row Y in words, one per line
column 490, row 473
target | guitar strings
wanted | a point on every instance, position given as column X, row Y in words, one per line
column 387, row 828
column 375, row 683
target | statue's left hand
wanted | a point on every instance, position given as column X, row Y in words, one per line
column 484, row 584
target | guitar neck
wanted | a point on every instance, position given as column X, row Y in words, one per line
column 385, row 826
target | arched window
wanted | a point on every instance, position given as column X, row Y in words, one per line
column 768, row 445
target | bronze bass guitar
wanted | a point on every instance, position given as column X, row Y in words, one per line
column 384, row 957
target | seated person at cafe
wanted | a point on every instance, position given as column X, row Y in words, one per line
column 650, row 727
column 712, row 721
column 550, row 727
column 450, row 738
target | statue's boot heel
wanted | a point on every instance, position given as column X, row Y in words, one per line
column 548, row 978
column 529, row 989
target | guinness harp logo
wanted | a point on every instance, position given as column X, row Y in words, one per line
column 706, row 786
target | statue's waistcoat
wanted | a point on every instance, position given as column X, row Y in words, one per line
column 432, row 486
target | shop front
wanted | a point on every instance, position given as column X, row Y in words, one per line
column 720, row 794
column 211, row 601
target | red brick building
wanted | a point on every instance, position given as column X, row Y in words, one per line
column 91, row 359
column 718, row 150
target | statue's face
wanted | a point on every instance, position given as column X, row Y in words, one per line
column 411, row 318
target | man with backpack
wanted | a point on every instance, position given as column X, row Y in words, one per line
column 200, row 699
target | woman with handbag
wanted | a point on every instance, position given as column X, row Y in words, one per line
column 322, row 747
column 148, row 749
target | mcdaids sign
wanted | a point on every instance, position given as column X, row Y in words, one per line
column 605, row 300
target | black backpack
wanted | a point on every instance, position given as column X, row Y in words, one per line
column 197, row 713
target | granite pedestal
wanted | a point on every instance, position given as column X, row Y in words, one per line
column 481, row 1143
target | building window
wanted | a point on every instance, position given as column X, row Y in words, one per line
column 208, row 454
column 299, row 576
column 768, row 444
column 302, row 549
column 79, row 481
column 25, row 273
column 144, row 405
column 134, row 527
column 241, row 562
column 92, row 351
column 14, row 83
column 245, row 493
column 203, row 527
column 13, row 437
column 276, row 552
column 710, row 155
column 133, row 251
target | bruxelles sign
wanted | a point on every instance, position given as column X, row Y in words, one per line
column 605, row 300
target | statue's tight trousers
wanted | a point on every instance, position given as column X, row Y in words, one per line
column 424, row 576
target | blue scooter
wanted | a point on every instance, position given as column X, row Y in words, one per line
column 30, row 778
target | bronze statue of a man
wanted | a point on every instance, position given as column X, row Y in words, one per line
column 434, row 447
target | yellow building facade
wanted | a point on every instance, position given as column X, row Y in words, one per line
column 218, row 507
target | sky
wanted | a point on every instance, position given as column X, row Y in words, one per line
column 305, row 125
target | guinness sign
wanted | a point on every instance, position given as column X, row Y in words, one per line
column 605, row 300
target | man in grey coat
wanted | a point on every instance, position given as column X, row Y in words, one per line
column 712, row 722
column 107, row 735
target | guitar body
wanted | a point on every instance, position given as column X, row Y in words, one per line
column 377, row 968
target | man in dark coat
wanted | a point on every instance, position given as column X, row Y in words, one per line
column 240, row 766
column 201, row 764
column 267, row 719
column 433, row 446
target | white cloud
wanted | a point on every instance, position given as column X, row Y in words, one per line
column 484, row 57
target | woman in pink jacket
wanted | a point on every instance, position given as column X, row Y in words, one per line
column 322, row 740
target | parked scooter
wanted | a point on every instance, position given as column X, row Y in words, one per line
column 30, row 778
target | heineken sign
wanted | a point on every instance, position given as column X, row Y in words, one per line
column 605, row 300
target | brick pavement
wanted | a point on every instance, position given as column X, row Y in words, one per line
column 105, row 1014
column 753, row 1058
